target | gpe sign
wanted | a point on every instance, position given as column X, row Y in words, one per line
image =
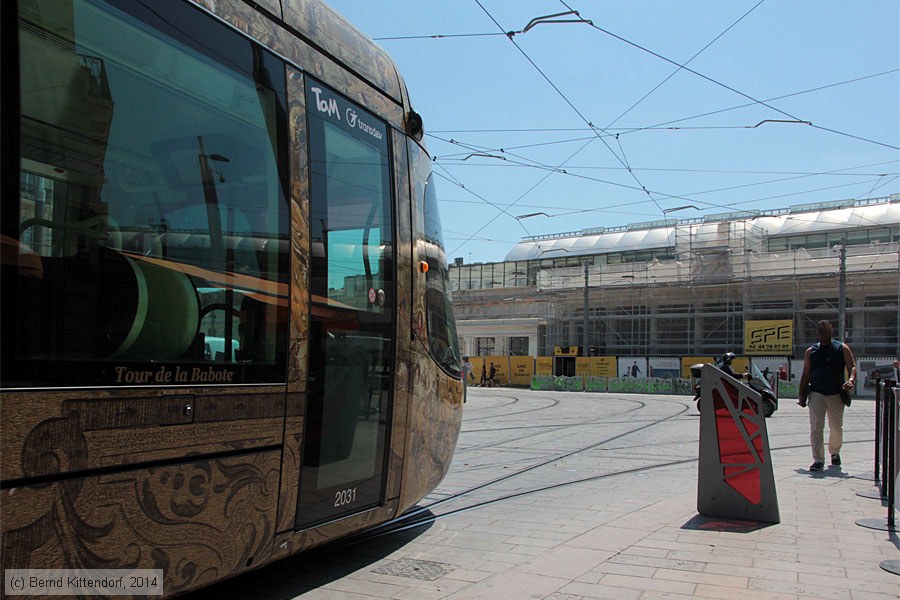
column 769, row 338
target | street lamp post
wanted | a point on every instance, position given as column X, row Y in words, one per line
column 842, row 291
column 222, row 258
column 584, row 333
column 633, row 318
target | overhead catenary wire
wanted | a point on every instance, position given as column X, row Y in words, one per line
column 736, row 204
column 569, row 102
column 625, row 130
column 514, row 164
column 676, row 71
column 635, row 168
column 622, row 159
column 483, row 227
column 730, row 88
column 436, row 36
column 501, row 210
column 688, row 196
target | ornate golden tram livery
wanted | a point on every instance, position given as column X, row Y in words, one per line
column 226, row 330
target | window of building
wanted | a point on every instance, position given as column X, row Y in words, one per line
column 484, row 346
column 815, row 241
column 855, row 237
column 778, row 244
column 518, row 346
column 881, row 323
column 880, row 235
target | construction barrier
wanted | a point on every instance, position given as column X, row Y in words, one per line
column 683, row 387
column 595, row 384
column 568, row 384
column 788, row 389
column 542, row 382
column 649, row 385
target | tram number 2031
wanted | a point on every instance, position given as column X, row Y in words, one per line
column 345, row 497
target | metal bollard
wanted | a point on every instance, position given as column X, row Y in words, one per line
column 890, row 396
column 886, row 445
column 886, row 403
column 891, row 465
column 879, row 492
column 877, row 428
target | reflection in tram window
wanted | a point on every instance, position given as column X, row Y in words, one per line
column 352, row 313
column 442, row 338
column 152, row 218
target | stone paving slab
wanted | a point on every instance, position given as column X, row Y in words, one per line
column 577, row 533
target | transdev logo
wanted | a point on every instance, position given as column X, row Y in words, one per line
column 353, row 120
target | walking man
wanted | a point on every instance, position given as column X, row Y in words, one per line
column 821, row 385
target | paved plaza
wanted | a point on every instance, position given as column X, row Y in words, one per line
column 566, row 495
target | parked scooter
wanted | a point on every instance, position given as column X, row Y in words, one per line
column 754, row 378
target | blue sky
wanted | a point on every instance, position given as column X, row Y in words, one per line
column 481, row 95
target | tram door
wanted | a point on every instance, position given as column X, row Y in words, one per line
column 351, row 311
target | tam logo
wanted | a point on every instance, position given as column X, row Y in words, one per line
column 328, row 106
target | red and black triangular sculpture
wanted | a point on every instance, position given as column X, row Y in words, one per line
column 735, row 478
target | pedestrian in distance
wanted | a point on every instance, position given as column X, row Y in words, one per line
column 824, row 390
column 493, row 374
column 635, row 369
column 467, row 376
column 725, row 363
column 483, row 375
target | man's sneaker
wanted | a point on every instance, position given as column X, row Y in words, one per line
column 817, row 466
column 836, row 460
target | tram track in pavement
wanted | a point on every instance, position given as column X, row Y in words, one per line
column 516, row 400
column 423, row 515
column 548, row 428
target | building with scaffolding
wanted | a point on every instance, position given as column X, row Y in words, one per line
column 685, row 287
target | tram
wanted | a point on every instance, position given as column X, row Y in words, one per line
column 227, row 335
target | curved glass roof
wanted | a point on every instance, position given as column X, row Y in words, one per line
column 796, row 220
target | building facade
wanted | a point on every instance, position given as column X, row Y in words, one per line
column 686, row 287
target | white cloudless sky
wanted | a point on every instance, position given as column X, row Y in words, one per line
column 481, row 95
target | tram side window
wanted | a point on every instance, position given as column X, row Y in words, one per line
column 351, row 213
column 152, row 221
column 442, row 338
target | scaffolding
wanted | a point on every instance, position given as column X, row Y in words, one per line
column 714, row 277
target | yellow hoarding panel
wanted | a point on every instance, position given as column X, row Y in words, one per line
column 740, row 365
column 769, row 338
column 565, row 350
column 582, row 367
column 544, row 365
column 476, row 361
column 521, row 369
column 688, row 361
column 603, row 366
column 501, row 364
